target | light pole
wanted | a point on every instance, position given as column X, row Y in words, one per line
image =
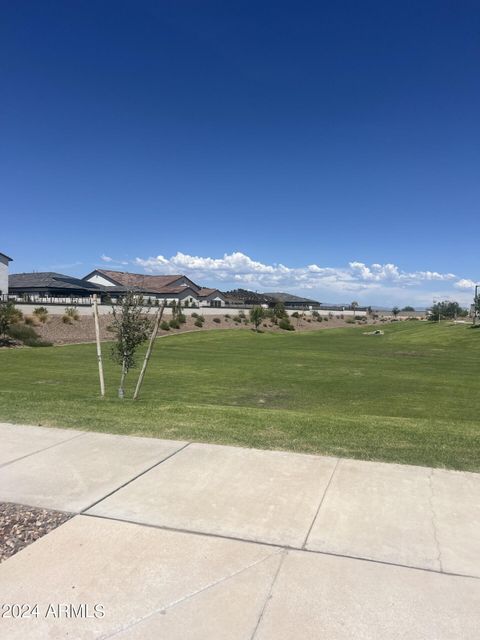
column 476, row 305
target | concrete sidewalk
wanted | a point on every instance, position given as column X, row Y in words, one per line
column 182, row 540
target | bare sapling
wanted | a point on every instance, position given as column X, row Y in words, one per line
column 131, row 326
column 156, row 324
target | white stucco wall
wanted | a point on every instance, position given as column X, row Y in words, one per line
column 86, row 310
column 98, row 279
column 3, row 275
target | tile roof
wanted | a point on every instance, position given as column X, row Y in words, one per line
column 144, row 282
column 205, row 291
column 49, row 280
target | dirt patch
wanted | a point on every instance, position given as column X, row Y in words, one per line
column 83, row 329
column 21, row 525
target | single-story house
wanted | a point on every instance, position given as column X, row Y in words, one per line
column 4, row 263
column 48, row 285
column 293, row 302
column 239, row 297
column 162, row 287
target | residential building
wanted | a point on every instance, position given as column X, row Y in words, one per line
column 4, row 263
column 163, row 287
column 50, row 286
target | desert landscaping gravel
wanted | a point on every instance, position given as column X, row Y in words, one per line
column 21, row 525
column 83, row 330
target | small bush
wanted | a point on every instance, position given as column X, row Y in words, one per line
column 201, row 318
column 319, row 319
column 67, row 319
column 198, row 323
column 174, row 324
column 217, row 320
column 164, row 325
column 41, row 313
column 295, row 314
column 350, row 321
column 194, row 314
column 227, row 315
column 72, row 313
column 181, row 318
column 29, row 321
column 27, row 335
column 285, row 324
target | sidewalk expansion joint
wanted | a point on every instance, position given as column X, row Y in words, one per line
column 278, row 545
column 269, row 594
column 321, row 503
column 139, row 475
column 165, row 607
column 50, row 446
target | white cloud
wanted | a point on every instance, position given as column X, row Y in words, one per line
column 465, row 283
column 110, row 260
column 376, row 281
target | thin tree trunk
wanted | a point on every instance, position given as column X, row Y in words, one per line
column 149, row 350
column 121, row 390
column 99, row 348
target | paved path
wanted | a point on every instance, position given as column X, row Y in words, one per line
column 189, row 541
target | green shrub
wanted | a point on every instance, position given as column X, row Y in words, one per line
column 286, row 325
column 319, row 319
column 67, row 319
column 72, row 313
column 17, row 315
column 194, row 314
column 181, row 318
column 201, row 318
column 227, row 315
column 27, row 335
column 217, row 320
column 295, row 314
column 174, row 324
column 41, row 313
column 198, row 323
column 164, row 325
column 350, row 321
column 29, row 321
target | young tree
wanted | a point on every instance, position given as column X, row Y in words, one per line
column 476, row 306
column 446, row 310
column 354, row 305
column 408, row 308
column 8, row 316
column 131, row 327
column 395, row 311
column 256, row 316
column 279, row 311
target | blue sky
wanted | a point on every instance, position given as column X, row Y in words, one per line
column 330, row 149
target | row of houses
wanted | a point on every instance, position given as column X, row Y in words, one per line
column 109, row 286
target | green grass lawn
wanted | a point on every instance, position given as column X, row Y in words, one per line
column 410, row 396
